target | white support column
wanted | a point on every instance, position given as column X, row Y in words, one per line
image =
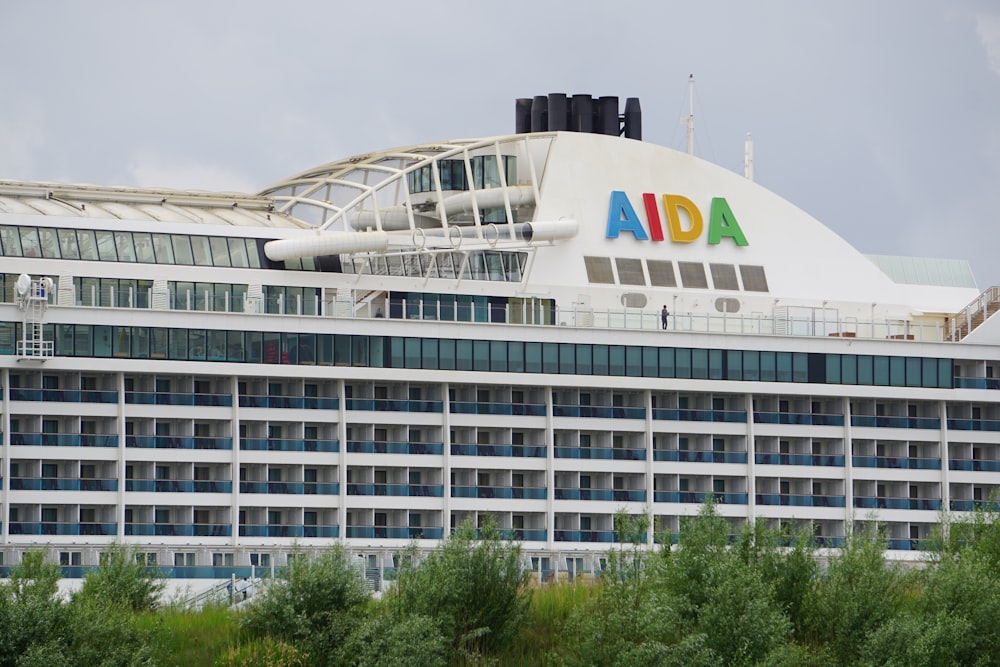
column 751, row 463
column 848, row 468
column 342, row 459
column 945, row 453
column 120, row 502
column 446, row 460
column 5, row 470
column 234, row 507
column 550, row 475
column 650, row 494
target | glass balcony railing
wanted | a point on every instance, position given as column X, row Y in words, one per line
column 63, row 395
column 60, row 528
column 64, row 439
column 179, row 485
column 977, row 383
column 978, row 465
column 374, row 447
column 698, row 456
column 601, row 411
column 770, row 458
column 293, row 488
column 180, row 529
column 413, row 490
column 394, row 405
column 62, row 484
column 902, row 544
column 294, row 402
column 396, row 532
column 699, row 497
column 959, row 505
column 271, row 530
column 799, row 500
column 178, row 398
column 974, row 424
column 584, row 535
column 896, row 422
column 803, row 418
column 288, row 445
column 618, row 495
column 899, row 462
column 671, row 414
column 517, row 409
column 519, row 492
column 177, row 442
column 498, row 450
column 897, row 503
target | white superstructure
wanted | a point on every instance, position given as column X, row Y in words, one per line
column 377, row 349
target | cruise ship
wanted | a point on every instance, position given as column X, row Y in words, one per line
column 545, row 328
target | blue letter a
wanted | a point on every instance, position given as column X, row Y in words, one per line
column 622, row 217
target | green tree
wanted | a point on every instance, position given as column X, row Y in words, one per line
column 33, row 619
column 316, row 607
column 123, row 580
column 473, row 586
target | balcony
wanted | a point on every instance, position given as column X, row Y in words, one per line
column 802, row 418
column 532, row 451
column 896, row 462
column 178, row 486
column 514, row 409
column 897, row 422
column 518, row 492
column 699, row 497
column 604, row 536
column 179, row 529
column 977, row 383
column 294, row 402
column 975, row 505
column 62, row 484
column 374, row 447
column 974, row 424
column 271, row 530
column 393, row 405
column 699, row 456
column 799, row 500
column 288, row 445
column 59, row 528
column 768, row 458
column 178, row 398
column 63, row 395
column 64, row 439
column 177, row 442
column 599, row 411
column 293, row 488
column 976, row 465
column 411, row 490
column 907, row 545
column 897, row 503
column 728, row 416
column 396, row 532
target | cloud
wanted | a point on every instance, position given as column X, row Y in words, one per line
column 21, row 139
column 988, row 29
column 153, row 173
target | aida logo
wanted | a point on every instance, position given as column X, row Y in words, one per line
column 721, row 221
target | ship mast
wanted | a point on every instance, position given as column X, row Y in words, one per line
column 690, row 118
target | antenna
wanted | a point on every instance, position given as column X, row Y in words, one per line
column 748, row 158
column 690, row 118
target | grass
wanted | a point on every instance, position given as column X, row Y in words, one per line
column 544, row 629
column 192, row 638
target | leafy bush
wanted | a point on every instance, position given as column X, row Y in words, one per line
column 122, row 580
column 473, row 587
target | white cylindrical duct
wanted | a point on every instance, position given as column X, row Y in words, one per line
column 548, row 230
column 332, row 243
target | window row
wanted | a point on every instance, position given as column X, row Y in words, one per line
column 124, row 246
column 501, row 266
column 660, row 273
column 483, row 169
column 272, row 347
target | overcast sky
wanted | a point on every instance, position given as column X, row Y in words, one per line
column 881, row 119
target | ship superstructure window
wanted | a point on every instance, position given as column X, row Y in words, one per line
column 124, row 246
column 599, row 270
column 724, row 277
column 661, row 273
column 630, row 271
column 453, row 174
column 495, row 265
column 693, row 275
column 753, row 277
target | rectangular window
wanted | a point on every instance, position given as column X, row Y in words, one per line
column 630, row 271
column 616, row 360
column 661, row 273
column 754, row 279
column 693, row 275
column 724, row 276
column 599, row 270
